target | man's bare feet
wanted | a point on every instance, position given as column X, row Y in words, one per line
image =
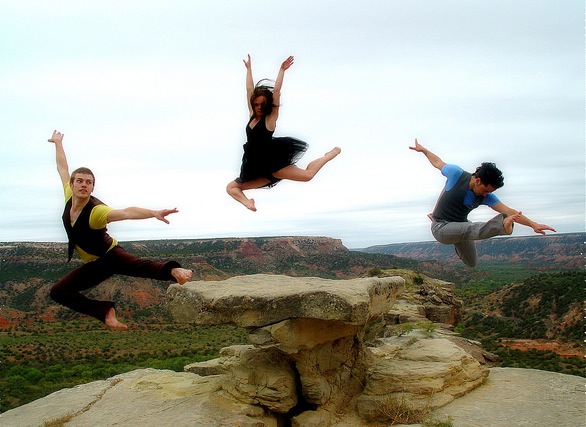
column 112, row 322
column 182, row 275
column 333, row 153
column 509, row 221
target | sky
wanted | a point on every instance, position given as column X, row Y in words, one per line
column 151, row 96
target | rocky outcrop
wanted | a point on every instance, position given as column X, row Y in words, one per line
column 427, row 373
column 424, row 300
column 308, row 362
column 306, row 352
column 261, row 299
column 313, row 330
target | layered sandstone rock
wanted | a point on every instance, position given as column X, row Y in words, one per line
column 312, row 329
column 259, row 300
column 426, row 373
column 310, row 325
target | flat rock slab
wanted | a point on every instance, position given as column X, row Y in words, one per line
column 521, row 398
column 145, row 397
column 511, row 397
column 263, row 299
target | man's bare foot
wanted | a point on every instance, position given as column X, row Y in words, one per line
column 182, row 275
column 112, row 322
column 250, row 205
column 509, row 221
column 430, row 216
column 333, row 153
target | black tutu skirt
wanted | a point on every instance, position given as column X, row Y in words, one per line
column 262, row 160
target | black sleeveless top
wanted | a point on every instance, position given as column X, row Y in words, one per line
column 94, row 242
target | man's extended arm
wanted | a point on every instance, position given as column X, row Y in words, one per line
column 522, row 219
column 433, row 158
column 140, row 213
column 60, row 157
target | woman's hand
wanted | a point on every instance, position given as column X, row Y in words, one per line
column 247, row 63
column 287, row 63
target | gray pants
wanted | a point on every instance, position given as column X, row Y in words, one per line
column 463, row 234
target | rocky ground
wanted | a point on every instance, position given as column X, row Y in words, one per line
column 521, row 398
column 513, row 397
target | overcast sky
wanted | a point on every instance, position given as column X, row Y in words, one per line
column 151, row 96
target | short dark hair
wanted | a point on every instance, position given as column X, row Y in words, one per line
column 84, row 170
column 489, row 174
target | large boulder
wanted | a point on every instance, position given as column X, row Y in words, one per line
column 426, row 373
column 307, row 328
column 263, row 378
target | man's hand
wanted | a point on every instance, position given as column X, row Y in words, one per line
column 435, row 161
column 160, row 215
column 417, row 147
column 60, row 157
column 57, row 137
column 541, row 228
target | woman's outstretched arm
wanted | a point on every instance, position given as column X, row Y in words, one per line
column 272, row 118
column 249, row 83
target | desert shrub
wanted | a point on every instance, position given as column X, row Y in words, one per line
column 402, row 329
column 427, row 327
column 418, row 280
column 375, row 272
column 397, row 410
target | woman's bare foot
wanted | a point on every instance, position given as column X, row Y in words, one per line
column 333, row 153
column 182, row 275
column 509, row 221
column 112, row 322
column 249, row 203
column 235, row 190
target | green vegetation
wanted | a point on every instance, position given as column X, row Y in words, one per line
column 46, row 357
column 402, row 329
column 487, row 278
column 536, row 359
column 418, row 280
column 546, row 306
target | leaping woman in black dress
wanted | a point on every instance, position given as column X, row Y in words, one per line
column 266, row 159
